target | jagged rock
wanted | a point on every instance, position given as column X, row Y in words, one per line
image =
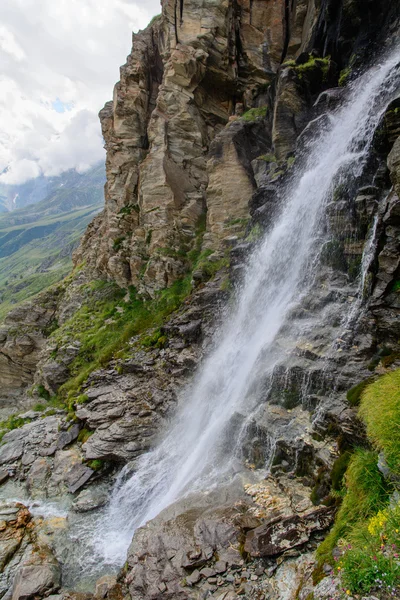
column 279, row 535
column 22, row 338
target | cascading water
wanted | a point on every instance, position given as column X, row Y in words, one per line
column 195, row 453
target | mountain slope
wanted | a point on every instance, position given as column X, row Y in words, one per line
column 36, row 242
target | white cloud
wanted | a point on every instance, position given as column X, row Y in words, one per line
column 55, row 54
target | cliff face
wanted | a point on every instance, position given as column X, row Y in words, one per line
column 171, row 159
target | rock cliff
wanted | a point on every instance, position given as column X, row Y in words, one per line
column 216, row 103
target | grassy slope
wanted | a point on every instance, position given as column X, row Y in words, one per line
column 36, row 242
column 367, row 526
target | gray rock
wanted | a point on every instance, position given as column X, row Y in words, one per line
column 36, row 580
column 66, row 437
column 207, row 572
column 280, row 534
column 220, row 566
column 104, row 585
column 77, row 477
column 194, row 577
column 90, row 499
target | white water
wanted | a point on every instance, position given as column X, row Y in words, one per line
column 196, row 451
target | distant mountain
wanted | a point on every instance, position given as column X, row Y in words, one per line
column 33, row 191
column 37, row 241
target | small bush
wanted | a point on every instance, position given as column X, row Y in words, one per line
column 39, row 407
column 117, row 244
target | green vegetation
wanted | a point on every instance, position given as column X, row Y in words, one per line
column 314, row 63
column 36, row 242
column 96, row 464
column 269, row 158
column 109, row 319
column 255, row 113
column 365, row 494
column 117, row 244
column 354, row 393
column 13, row 422
column 367, row 526
column 255, row 234
column 84, row 435
column 380, row 410
column 344, row 76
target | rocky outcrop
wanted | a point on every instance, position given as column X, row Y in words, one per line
column 22, row 338
column 170, row 159
column 188, row 552
column 28, row 568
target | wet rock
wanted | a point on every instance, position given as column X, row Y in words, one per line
column 90, row 499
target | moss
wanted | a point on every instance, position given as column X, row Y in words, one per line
column 333, row 255
column 269, row 158
column 255, row 234
column 312, row 64
column 354, row 394
column 39, row 407
column 396, row 286
column 96, row 464
column 254, row 114
column 82, row 399
column 354, row 268
column 344, row 76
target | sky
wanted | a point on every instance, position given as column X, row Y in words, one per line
column 59, row 61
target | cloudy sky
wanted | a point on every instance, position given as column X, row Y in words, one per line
column 59, row 60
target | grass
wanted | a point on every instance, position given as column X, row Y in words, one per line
column 107, row 321
column 380, row 410
column 366, row 532
column 366, row 493
column 13, row 422
column 354, row 393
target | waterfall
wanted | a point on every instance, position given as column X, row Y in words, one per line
column 196, row 450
